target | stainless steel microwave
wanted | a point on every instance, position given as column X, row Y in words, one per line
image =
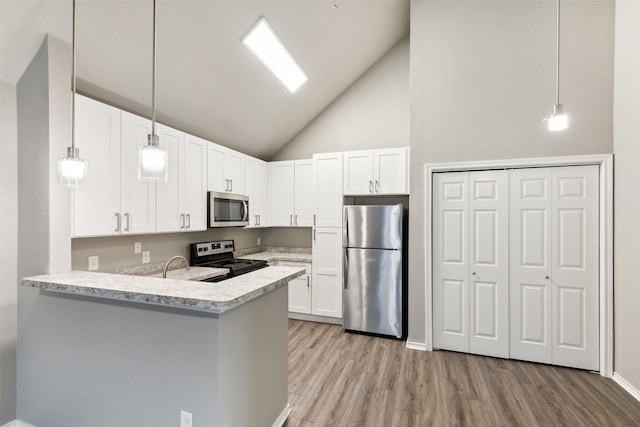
column 227, row 210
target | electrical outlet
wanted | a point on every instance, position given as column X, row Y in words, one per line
column 137, row 247
column 186, row 419
column 93, row 263
column 259, row 241
column 146, row 257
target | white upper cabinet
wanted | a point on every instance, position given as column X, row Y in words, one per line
column 226, row 170
column 256, row 186
column 292, row 196
column 96, row 207
column 182, row 198
column 138, row 198
column 328, row 189
column 372, row 172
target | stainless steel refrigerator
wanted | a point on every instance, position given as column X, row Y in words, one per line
column 373, row 269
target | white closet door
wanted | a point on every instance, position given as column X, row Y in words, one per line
column 489, row 263
column 574, row 267
column 450, row 263
column 530, row 264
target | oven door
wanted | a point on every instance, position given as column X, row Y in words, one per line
column 228, row 210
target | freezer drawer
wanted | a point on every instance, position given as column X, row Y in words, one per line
column 372, row 291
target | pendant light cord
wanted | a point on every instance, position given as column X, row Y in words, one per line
column 558, row 54
column 73, row 79
column 153, row 79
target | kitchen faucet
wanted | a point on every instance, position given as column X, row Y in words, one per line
column 166, row 266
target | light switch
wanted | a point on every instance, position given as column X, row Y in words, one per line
column 93, row 263
column 137, row 247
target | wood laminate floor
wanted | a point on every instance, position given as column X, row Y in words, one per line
column 342, row 379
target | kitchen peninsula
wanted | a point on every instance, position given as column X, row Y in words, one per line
column 129, row 350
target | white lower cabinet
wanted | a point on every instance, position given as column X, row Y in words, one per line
column 326, row 297
column 515, row 264
column 299, row 288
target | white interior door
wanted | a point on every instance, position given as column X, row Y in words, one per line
column 530, row 265
column 574, row 267
column 489, row 263
column 450, row 261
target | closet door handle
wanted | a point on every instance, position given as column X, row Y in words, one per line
column 117, row 222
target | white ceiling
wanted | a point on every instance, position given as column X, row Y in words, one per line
column 209, row 84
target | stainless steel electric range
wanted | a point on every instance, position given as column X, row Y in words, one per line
column 219, row 254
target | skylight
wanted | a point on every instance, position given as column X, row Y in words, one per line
column 266, row 45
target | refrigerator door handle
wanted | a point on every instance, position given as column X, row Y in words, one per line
column 345, row 269
column 345, row 228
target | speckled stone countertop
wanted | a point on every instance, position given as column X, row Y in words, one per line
column 279, row 256
column 201, row 296
column 193, row 273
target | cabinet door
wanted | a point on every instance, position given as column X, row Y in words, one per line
column 450, row 261
column 327, row 273
column 390, row 171
column 300, row 294
column 489, row 263
column 574, row 266
column 169, row 214
column 328, row 189
column 194, row 183
column 138, row 197
column 256, row 188
column 96, row 206
column 358, row 172
column 234, row 171
column 216, row 180
column 282, row 189
column 304, row 195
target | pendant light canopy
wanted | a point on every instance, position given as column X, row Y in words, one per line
column 72, row 170
column 558, row 119
column 152, row 158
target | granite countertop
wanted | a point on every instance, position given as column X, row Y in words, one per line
column 193, row 273
column 201, row 296
column 279, row 256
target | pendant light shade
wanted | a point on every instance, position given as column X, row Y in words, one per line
column 558, row 119
column 72, row 170
column 152, row 158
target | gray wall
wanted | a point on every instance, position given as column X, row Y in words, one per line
column 627, row 200
column 116, row 252
column 289, row 237
column 372, row 113
column 483, row 78
column 8, row 251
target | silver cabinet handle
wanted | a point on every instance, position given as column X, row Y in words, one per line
column 188, row 220
column 290, row 219
column 314, row 233
column 296, row 219
column 117, row 222
column 226, row 185
column 259, row 219
column 370, row 186
column 126, row 216
column 377, row 186
column 231, row 185
column 255, row 220
column 314, row 220
column 182, row 221
column 308, row 284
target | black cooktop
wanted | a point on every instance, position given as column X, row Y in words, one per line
column 219, row 254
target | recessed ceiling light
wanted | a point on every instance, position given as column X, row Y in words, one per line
column 264, row 43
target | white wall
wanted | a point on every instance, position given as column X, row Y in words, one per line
column 372, row 113
column 482, row 80
column 626, row 145
column 8, row 251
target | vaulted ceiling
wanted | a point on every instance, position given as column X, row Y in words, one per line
column 208, row 83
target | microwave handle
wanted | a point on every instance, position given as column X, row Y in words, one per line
column 245, row 211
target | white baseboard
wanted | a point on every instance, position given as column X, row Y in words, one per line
column 627, row 386
column 283, row 416
column 413, row 345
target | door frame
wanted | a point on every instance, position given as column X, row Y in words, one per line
column 605, row 252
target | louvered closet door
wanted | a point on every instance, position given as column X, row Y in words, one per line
column 574, row 267
column 489, row 263
column 450, row 261
column 530, row 265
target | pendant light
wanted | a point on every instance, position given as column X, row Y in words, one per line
column 558, row 119
column 152, row 158
column 72, row 170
